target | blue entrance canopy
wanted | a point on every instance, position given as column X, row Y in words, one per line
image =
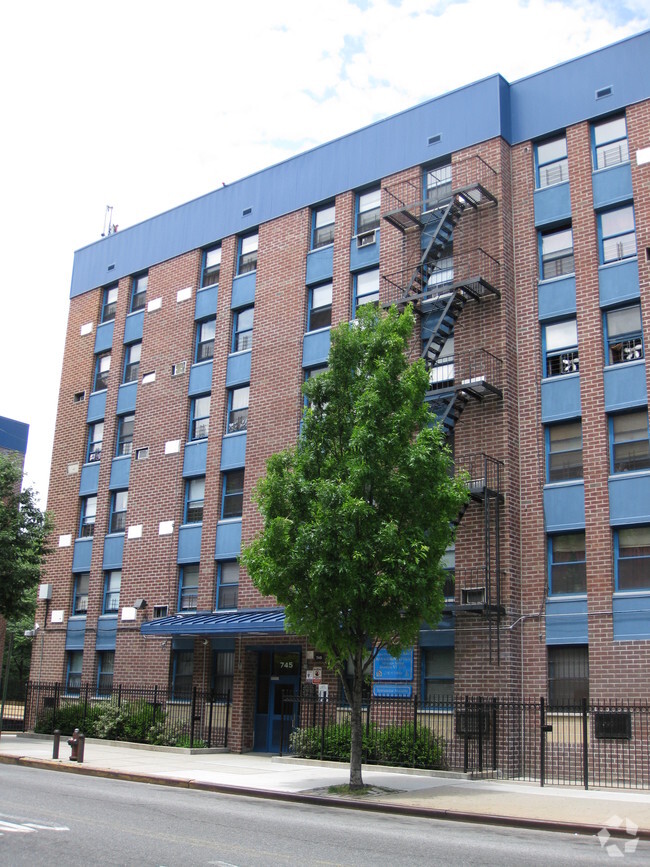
column 219, row 623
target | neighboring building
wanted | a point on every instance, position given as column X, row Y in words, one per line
column 516, row 218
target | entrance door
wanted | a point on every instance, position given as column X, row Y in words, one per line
column 278, row 677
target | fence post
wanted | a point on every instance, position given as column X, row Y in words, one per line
column 466, row 736
column 585, row 746
column 282, row 706
column 56, row 705
column 542, row 741
column 85, row 706
column 225, row 737
column 322, row 730
column 415, row 726
column 119, row 696
column 494, row 734
column 211, row 695
column 155, row 703
column 480, row 734
column 193, row 717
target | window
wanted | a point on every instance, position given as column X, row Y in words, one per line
column 211, row 266
column 242, row 332
column 248, row 253
column 238, row 409
column 568, row 675
column 200, row 417
column 80, row 593
column 182, row 668
column 109, row 303
column 560, row 343
column 227, row 584
column 623, row 334
column 119, row 502
column 552, row 162
column 194, row 495
column 368, row 210
column 438, row 664
column 95, row 439
column 125, row 425
column 102, row 368
column 233, row 494
column 105, row 667
column 437, row 186
column 632, row 558
column 323, row 226
column 188, row 587
column 139, row 292
column 443, row 272
column 112, row 583
column 73, row 674
column 366, row 288
column 617, row 234
column 557, row 253
column 223, row 670
column 309, row 373
column 320, row 307
column 567, row 563
column 132, row 362
column 629, row 438
column 205, row 339
column 564, row 451
column 88, row 515
column 610, row 143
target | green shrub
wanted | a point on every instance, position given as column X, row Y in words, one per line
column 68, row 717
column 129, row 721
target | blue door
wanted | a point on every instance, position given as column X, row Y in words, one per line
column 278, row 678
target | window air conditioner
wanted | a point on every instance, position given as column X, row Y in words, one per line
column 366, row 238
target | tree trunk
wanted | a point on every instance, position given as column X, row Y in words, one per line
column 356, row 723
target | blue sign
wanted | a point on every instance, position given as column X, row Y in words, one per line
column 392, row 690
column 388, row 667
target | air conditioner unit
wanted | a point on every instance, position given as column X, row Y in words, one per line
column 472, row 596
column 366, row 238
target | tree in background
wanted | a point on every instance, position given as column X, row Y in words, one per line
column 359, row 513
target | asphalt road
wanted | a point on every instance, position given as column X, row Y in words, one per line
column 48, row 817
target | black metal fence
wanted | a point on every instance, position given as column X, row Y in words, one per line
column 155, row 715
column 604, row 745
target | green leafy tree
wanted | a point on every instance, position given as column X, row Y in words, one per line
column 22, row 646
column 358, row 515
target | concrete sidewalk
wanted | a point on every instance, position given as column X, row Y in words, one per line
column 433, row 794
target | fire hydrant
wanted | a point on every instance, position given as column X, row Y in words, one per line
column 73, row 743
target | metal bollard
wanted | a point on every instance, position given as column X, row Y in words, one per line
column 55, row 744
column 80, row 752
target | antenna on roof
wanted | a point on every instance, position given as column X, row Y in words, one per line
column 109, row 226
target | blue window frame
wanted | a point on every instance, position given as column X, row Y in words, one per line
column 309, row 373
column 609, row 141
column 188, row 587
column 437, row 185
column 617, row 235
column 88, row 515
column 105, row 669
column 232, row 502
column 247, row 260
column 109, row 303
column 211, row 266
column 102, row 369
column 366, row 288
column 227, row 584
column 194, row 496
column 95, row 439
column 367, row 210
column 322, row 232
column 119, row 502
column 223, row 670
column 438, row 675
column 632, row 558
column 139, row 292
column 200, row 417
column 560, row 348
column 319, row 314
column 182, row 668
column 567, row 563
column 205, row 332
column 125, row 424
column 238, row 409
column 242, row 329
column 73, row 672
column 112, row 584
column 623, row 334
column 629, row 441
column 556, row 253
column 80, row 593
column 132, row 354
column 551, row 163
column 564, row 451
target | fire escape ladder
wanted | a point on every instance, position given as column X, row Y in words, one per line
column 451, row 306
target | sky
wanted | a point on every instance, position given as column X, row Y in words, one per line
column 145, row 105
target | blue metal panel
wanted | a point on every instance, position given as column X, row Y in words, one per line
column 228, row 542
column 206, row 302
column 195, row 458
column 629, row 499
column 566, row 620
column 113, row 551
column 189, row 543
column 364, row 257
column 618, row 281
column 612, row 185
column 13, row 435
column 243, row 290
column 219, row 623
column 552, row 204
column 81, row 556
column 200, row 378
column 106, row 632
column 564, row 506
column 320, row 265
column 631, row 616
column 120, row 472
column 96, row 406
column 104, row 336
column 556, row 298
column 560, row 398
column 316, row 347
column 443, row 636
column 126, row 397
column 625, row 386
column 134, row 326
column 238, row 369
column 233, row 451
column 75, row 633
column 89, row 479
